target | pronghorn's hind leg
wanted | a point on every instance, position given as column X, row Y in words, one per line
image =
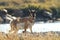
column 13, row 29
column 30, row 26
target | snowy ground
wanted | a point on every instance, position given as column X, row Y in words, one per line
column 37, row 27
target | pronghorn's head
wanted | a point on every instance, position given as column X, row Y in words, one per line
column 32, row 13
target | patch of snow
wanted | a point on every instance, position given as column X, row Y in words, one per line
column 37, row 27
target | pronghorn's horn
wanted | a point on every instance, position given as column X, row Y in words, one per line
column 29, row 10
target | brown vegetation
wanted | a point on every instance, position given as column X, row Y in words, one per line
column 29, row 36
column 24, row 3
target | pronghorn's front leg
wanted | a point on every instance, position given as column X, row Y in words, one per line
column 31, row 29
column 25, row 26
column 30, row 26
column 26, row 29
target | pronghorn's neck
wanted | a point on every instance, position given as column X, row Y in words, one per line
column 32, row 13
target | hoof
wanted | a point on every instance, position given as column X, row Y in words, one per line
column 23, row 31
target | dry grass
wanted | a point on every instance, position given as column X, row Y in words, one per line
column 29, row 36
column 13, row 3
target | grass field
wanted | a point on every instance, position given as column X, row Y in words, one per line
column 16, row 4
column 29, row 36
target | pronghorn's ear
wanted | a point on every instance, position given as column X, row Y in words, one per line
column 29, row 10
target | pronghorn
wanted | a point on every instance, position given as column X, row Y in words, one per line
column 22, row 23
